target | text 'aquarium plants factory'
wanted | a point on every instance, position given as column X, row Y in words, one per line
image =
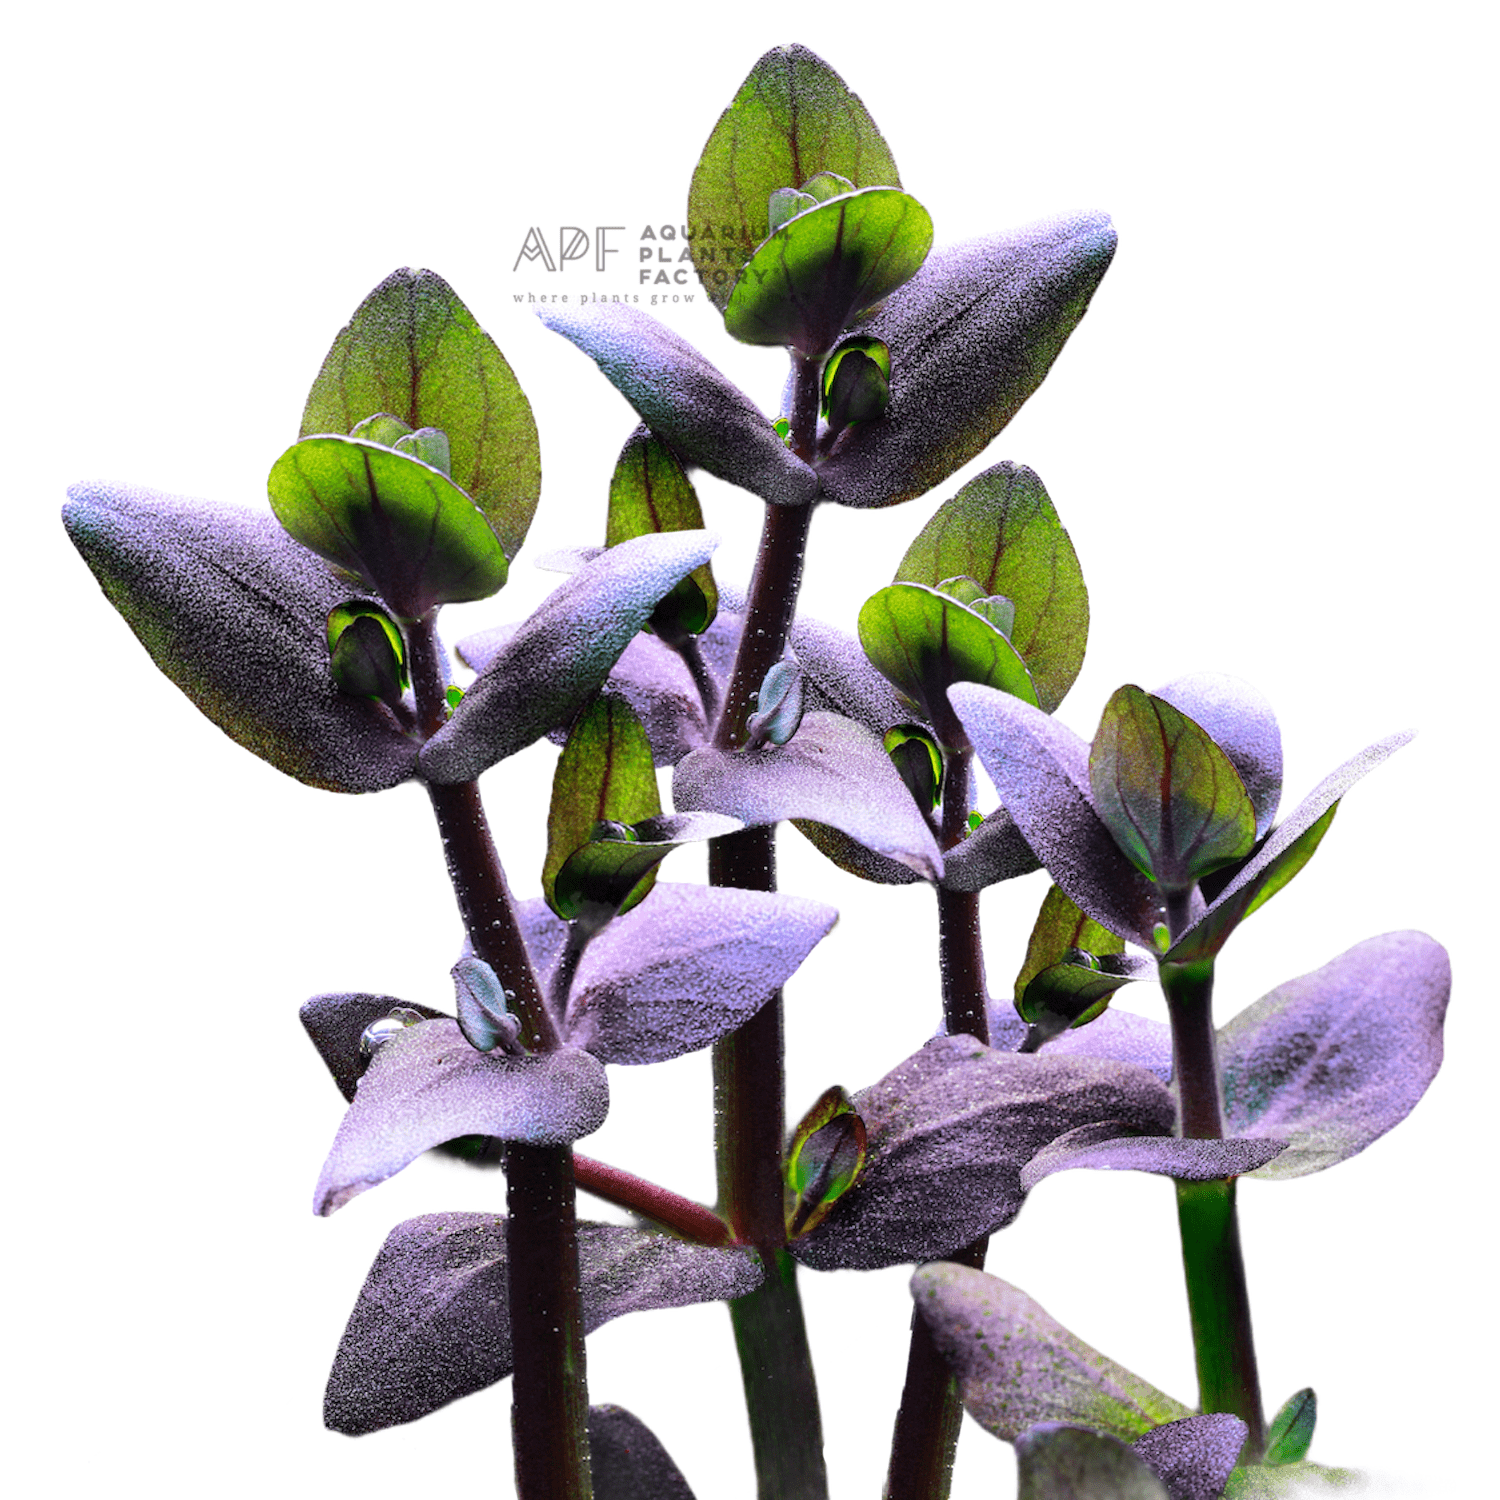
column 914, row 743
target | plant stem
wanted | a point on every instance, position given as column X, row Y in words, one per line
column 549, row 1390
column 1213, row 1265
column 781, row 1394
column 925, row 1440
column 681, row 1215
column 549, row 1397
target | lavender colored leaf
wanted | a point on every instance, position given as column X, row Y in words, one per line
column 993, row 852
column 561, row 655
column 628, row 1461
column 685, row 400
column 1332, row 1060
column 1040, row 769
column 428, row 1085
column 335, row 1024
column 1290, row 845
column 1194, row 1456
column 1055, row 1461
column 432, row 1322
column 852, row 857
column 1017, row 1366
column 841, row 678
column 235, row 613
column 833, row 771
column 1242, row 724
column 1122, row 1035
column 688, row 965
column 1103, row 1147
column 971, row 336
column 949, row 1132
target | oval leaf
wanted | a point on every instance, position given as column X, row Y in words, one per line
column 1016, row 1366
column 793, row 120
column 1173, row 801
column 687, row 966
column 413, row 350
column 432, row 1322
column 604, row 774
column 400, row 525
column 627, row 1460
column 1102, row 1147
column 971, row 336
column 1291, row 1431
column 949, row 1131
column 650, row 492
column 1056, row 1462
column 1334, row 1059
column 428, row 1085
column 833, row 771
column 235, row 613
column 1001, row 530
column 925, row 641
column 1040, row 769
column 682, row 398
column 823, row 269
column 560, row 656
column 1194, row 1456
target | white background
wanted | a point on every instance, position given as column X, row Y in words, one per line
column 1265, row 438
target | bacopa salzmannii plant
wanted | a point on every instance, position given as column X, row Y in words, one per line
column 310, row 633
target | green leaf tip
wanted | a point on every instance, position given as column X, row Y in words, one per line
column 414, row 354
column 824, row 1161
column 793, row 122
column 1290, row 1434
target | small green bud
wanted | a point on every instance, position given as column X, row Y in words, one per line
column 920, row 762
column 367, row 652
column 826, row 1157
column 778, row 707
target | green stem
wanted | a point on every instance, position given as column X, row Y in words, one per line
column 925, row 1441
column 1212, row 1261
column 781, row 1394
column 549, row 1396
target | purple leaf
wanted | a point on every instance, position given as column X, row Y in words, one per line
column 1041, row 771
column 428, row 1085
column 683, row 398
column 686, row 966
column 971, row 336
column 628, row 1460
column 833, row 771
column 235, row 613
column 949, row 1131
column 1290, row 845
column 1017, row 1366
column 335, row 1024
column 1104, row 1147
column 1240, row 722
column 432, row 1322
column 1122, row 1035
column 841, row 677
column 1195, row 1456
column 852, row 856
column 1055, row 1461
column 993, row 852
column 560, row 656
column 1334, row 1059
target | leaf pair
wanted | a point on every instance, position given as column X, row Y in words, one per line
column 668, row 978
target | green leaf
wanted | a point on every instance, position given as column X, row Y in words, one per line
column 1076, row 991
column 1291, row 1431
column 924, row 641
column 1001, row 530
column 367, row 652
column 825, row 268
column 1301, row 1481
column 605, row 774
column 413, row 351
column 855, row 389
column 826, row 1157
column 920, row 762
column 1169, row 796
column 1061, row 928
column 792, row 120
column 649, row 492
column 399, row 525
